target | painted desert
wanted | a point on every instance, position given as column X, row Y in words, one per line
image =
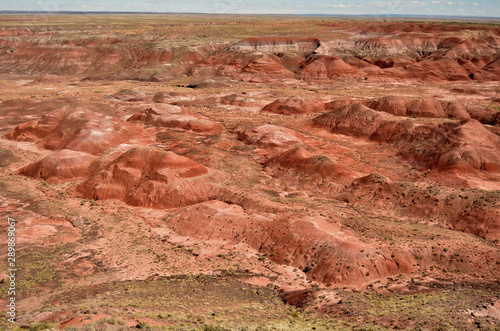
column 235, row 172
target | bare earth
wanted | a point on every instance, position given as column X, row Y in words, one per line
column 242, row 173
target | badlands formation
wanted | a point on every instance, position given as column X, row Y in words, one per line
column 220, row 173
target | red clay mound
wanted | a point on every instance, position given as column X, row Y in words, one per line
column 392, row 61
column 334, row 104
column 291, row 61
column 170, row 116
column 156, row 56
column 238, row 100
column 269, row 65
column 464, row 146
column 360, row 121
column 299, row 169
column 270, row 136
column 129, row 95
column 419, row 108
column 444, row 69
column 425, row 108
column 316, row 246
column 295, row 105
column 77, row 129
column 62, row 166
column 484, row 115
column 236, row 64
column 162, row 97
column 321, row 67
column 37, row 58
column 490, row 72
column 150, row 178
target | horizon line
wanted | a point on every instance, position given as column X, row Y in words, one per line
column 245, row 14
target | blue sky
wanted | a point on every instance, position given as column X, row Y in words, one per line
column 489, row 8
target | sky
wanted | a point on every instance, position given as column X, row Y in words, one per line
column 490, row 8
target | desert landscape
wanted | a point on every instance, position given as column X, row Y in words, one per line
column 239, row 172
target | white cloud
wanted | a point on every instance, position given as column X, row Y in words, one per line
column 449, row 3
column 475, row 4
column 337, row 6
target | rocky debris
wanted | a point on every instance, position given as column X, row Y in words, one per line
column 164, row 97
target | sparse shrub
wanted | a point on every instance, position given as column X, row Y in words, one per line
column 142, row 325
